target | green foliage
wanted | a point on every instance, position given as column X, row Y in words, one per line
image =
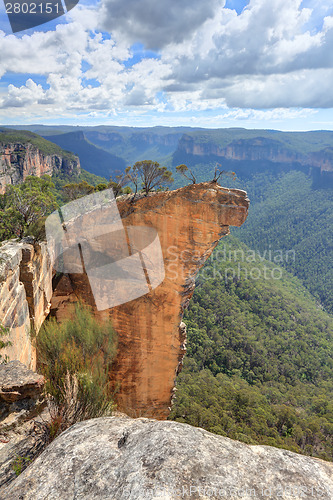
column 75, row 357
column 20, row 463
column 22, row 207
column 60, row 180
column 81, row 346
column 150, row 175
column 302, row 142
column 24, row 136
column 4, row 332
column 288, row 214
column 92, row 179
column 72, row 182
column 259, row 362
column 76, row 190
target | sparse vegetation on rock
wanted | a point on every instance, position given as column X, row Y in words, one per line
column 75, row 357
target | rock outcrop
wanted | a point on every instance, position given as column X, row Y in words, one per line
column 17, row 161
column 121, row 458
column 22, row 434
column 17, row 383
column 25, row 295
column 190, row 221
column 151, row 343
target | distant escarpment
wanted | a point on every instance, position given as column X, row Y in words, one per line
column 19, row 158
column 93, row 159
column 151, row 336
column 254, row 155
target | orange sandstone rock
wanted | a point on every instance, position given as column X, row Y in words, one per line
column 151, row 338
column 17, row 161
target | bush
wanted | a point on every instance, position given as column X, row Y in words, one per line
column 75, row 358
column 4, row 332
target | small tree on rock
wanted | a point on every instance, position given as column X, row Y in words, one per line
column 150, row 174
column 218, row 173
column 119, row 182
column 186, row 172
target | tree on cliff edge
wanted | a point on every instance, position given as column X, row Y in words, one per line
column 186, row 172
column 149, row 174
column 23, row 208
column 218, row 173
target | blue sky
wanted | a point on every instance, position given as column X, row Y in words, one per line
column 233, row 63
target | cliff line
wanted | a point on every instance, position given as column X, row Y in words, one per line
column 19, row 160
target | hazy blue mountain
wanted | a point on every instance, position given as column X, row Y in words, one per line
column 247, row 152
column 93, row 159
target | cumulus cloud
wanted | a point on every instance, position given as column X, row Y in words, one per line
column 156, row 23
column 271, row 55
column 262, row 58
column 309, row 89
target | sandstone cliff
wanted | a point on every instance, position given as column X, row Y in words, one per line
column 190, row 221
column 18, row 160
column 25, row 294
column 121, row 458
column 258, row 149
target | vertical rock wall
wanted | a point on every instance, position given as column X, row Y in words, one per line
column 25, row 294
column 17, row 161
column 190, row 221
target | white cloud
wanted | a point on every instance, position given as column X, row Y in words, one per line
column 299, row 89
column 156, row 23
column 209, row 58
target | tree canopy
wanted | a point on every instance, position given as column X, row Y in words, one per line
column 259, row 365
column 148, row 175
column 24, row 207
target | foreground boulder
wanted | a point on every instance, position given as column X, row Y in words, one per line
column 22, row 414
column 122, row 458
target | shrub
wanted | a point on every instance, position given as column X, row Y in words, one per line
column 75, row 358
column 4, row 332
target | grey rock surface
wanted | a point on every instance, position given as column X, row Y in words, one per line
column 135, row 459
column 22, row 414
column 18, row 382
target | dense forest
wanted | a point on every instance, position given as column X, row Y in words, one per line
column 259, row 362
column 288, row 214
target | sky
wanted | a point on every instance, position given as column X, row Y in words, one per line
column 222, row 63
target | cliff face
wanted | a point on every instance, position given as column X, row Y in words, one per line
column 17, row 161
column 258, row 149
column 135, row 139
column 190, row 221
column 25, row 294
